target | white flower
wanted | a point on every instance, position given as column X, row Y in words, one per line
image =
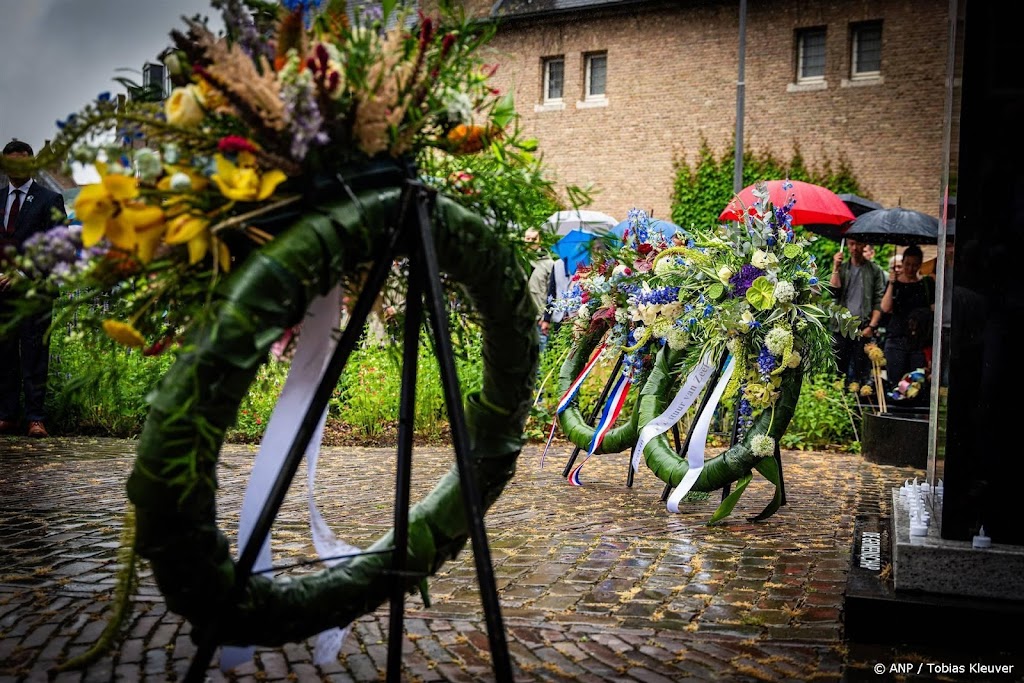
column 171, row 153
column 663, row 266
column 777, row 340
column 181, row 182
column 677, row 338
column 724, row 273
column 764, row 260
column 747, row 319
column 672, row 311
column 621, row 269
column 459, row 106
column 793, row 360
column 583, row 312
column 784, row 291
column 147, row 163
column 762, row 446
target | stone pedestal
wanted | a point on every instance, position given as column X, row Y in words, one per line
column 936, row 565
column 894, row 439
column 934, row 608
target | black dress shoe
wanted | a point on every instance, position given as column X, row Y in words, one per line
column 8, row 426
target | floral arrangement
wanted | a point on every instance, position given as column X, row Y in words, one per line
column 616, row 292
column 747, row 288
column 288, row 98
column 289, row 153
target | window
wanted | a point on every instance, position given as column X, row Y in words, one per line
column 867, row 50
column 810, row 57
column 596, row 75
column 554, row 78
column 153, row 81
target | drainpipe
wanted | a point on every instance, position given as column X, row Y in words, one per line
column 737, row 178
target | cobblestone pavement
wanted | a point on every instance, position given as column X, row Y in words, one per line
column 598, row 583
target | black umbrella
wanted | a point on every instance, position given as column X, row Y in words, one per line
column 894, row 226
column 857, row 206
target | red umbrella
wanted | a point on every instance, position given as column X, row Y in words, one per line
column 814, row 205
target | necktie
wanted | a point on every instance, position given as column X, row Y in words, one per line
column 15, row 207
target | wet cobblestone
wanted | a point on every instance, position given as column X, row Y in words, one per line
column 598, row 583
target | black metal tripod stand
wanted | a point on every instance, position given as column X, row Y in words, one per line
column 413, row 238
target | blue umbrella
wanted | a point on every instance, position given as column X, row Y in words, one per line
column 574, row 249
column 578, row 229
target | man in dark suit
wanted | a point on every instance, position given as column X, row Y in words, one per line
column 28, row 208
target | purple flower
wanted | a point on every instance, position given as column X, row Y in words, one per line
column 742, row 280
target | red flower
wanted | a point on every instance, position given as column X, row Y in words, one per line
column 158, row 347
column 231, row 144
column 644, row 248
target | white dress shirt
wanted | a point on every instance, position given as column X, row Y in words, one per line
column 10, row 197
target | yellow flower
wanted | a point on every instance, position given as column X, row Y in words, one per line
column 148, row 224
column 124, row 333
column 183, row 107
column 190, row 229
column 97, row 207
column 110, row 209
column 244, row 182
column 876, row 354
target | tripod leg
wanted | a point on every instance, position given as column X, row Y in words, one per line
column 406, row 426
column 460, row 437
column 595, row 412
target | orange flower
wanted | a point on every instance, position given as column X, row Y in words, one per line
column 469, row 139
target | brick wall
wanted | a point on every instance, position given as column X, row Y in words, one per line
column 672, row 82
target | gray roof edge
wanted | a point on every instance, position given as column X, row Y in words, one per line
column 583, row 6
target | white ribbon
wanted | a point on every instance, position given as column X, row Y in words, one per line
column 684, row 398
column 698, row 440
column 313, row 352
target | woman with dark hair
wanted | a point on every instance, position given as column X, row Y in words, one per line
column 910, row 302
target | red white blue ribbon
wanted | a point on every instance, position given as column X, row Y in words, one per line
column 568, row 396
column 610, row 413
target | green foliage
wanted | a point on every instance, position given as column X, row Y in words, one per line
column 97, row 386
column 827, row 417
column 258, row 404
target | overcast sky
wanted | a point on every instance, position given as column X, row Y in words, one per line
column 57, row 55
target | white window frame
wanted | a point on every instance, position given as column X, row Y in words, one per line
column 588, row 60
column 548, row 62
column 856, row 72
column 801, row 56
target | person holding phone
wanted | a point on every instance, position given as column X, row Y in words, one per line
column 910, row 302
column 858, row 284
